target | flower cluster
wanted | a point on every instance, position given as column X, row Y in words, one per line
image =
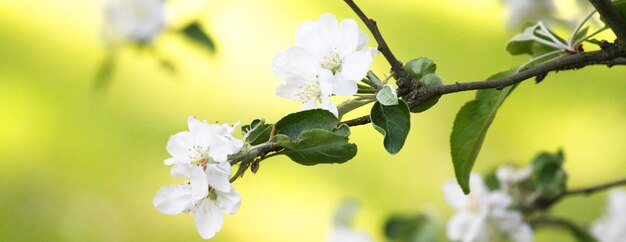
column 612, row 226
column 200, row 155
column 329, row 58
column 133, row 20
column 484, row 215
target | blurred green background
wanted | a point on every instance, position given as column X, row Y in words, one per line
column 82, row 165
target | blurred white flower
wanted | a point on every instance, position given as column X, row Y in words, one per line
column 208, row 210
column 201, row 155
column 611, row 227
column 133, row 20
column 341, row 233
column 508, row 175
column 304, row 80
column 483, row 215
column 523, row 11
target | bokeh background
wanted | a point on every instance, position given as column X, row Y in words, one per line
column 78, row 164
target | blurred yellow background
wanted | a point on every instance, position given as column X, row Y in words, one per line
column 82, row 165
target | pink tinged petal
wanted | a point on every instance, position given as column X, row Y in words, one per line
column 199, row 183
column 208, row 218
column 181, row 171
column 348, row 38
column 173, row 199
column 218, row 175
column 356, row 65
column 454, row 196
column 343, row 87
column 229, row 201
column 178, row 146
column 363, row 39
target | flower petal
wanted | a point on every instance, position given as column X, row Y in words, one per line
column 356, row 65
column 290, row 88
column 343, row 87
column 348, row 37
column 173, row 199
column 178, row 147
column 329, row 105
column 199, row 183
column 229, row 201
column 218, row 175
column 181, row 171
column 296, row 63
column 363, row 39
column 208, row 218
column 454, row 195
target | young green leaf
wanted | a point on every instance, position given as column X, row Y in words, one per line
column 430, row 79
column 257, row 132
column 527, row 42
column 471, row 125
column 549, row 178
column 294, row 124
column 412, row 229
column 195, row 33
column 317, row 146
column 419, row 67
column 387, row 96
column 394, row 122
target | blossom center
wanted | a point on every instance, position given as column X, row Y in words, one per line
column 309, row 92
column 332, row 62
column 199, row 156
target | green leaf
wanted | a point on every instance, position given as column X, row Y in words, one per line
column 195, row 33
column 419, row 67
column 621, row 5
column 294, row 124
column 394, row 122
column 257, row 132
column 525, row 43
column 387, row 96
column 471, row 125
column 549, row 178
column 317, row 146
column 430, row 79
column 352, row 104
column 412, row 229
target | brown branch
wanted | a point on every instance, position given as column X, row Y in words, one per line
column 591, row 190
column 396, row 66
column 612, row 17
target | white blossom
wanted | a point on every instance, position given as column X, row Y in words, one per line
column 611, row 227
column 508, row 175
column 339, row 48
column 523, row 11
column 341, row 233
column 208, row 211
column 483, row 215
column 201, row 155
column 133, row 20
column 304, row 80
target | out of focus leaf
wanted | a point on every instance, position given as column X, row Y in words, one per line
column 549, row 178
column 196, row 34
column 412, row 229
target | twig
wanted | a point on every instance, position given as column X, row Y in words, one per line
column 396, row 66
column 590, row 190
column 612, row 17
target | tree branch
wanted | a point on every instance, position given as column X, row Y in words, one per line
column 396, row 66
column 591, row 190
column 612, row 17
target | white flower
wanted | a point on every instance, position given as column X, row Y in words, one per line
column 133, row 20
column 339, row 48
column 208, row 217
column 523, row 11
column 201, row 155
column 612, row 226
column 304, row 80
column 342, row 233
column 483, row 215
column 508, row 175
